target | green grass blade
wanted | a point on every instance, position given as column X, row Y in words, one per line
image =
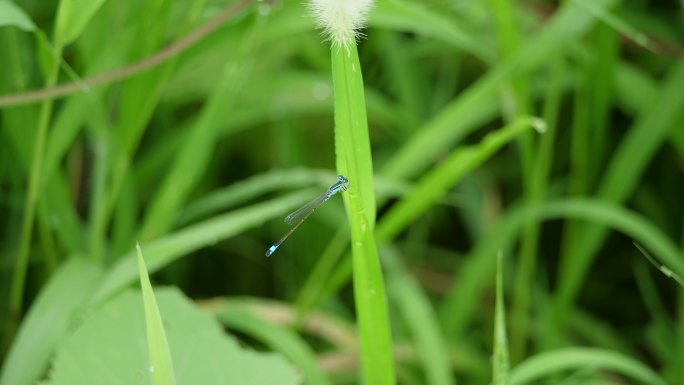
column 500, row 359
column 407, row 79
column 415, row 307
column 554, row 362
column 100, row 132
column 68, row 226
column 352, row 149
column 352, row 143
column 634, row 88
column 603, row 70
column 527, row 256
column 675, row 362
column 31, row 197
column 161, row 366
column 615, row 22
column 311, row 290
column 663, row 269
column 644, row 138
column 432, row 187
column 72, row 18
column 515, row 102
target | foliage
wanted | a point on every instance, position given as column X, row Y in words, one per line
column 194, row 127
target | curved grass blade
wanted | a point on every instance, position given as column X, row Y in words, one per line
column 545, row 364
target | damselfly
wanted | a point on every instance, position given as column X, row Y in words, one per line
column 298, row 216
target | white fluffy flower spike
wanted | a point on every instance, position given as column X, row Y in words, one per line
column 341, row 20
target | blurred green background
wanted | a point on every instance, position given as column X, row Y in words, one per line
column 194, row 127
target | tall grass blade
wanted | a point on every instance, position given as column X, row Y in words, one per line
column 500, row 359
column 418, row 314
column 352, row 148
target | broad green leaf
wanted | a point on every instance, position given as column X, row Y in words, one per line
column 109, row 348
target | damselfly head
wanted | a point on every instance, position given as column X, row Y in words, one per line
column 344, row 181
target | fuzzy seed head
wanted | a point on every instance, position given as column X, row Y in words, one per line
column 341, row 20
